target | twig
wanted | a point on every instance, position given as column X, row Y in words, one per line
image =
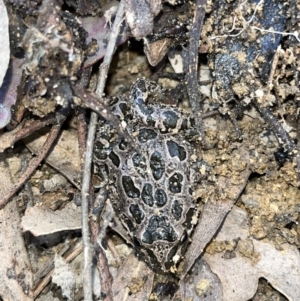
column 192, row 68
column 268, row 116
column 87, row 247
column 10, row 138
column 81, row 116
column 105, row 276
column 110, row 49
column 36, row 161
column 87, row 273
column 276, row 127
column 209, row 114
column 82, row 132
column 27, row 186
column 93, row 101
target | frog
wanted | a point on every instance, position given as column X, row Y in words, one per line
column 150, row 179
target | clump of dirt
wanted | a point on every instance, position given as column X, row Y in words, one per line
column 250, row 52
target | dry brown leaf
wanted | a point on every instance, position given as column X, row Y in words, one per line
column 140, row 14
column 15, row 269
column 42, row 221
column 201, row 285
column 134, row 280
column 239, row 275
column 64, row 156
column 4, row 45
column 8, row 94
column 156, row 51
column 99, row 29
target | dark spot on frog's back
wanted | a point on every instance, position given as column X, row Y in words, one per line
column 157, row 165
column 130, row 189
column 160, row 198
column 147, row 194
column 139, row 162
column 159, row 228
column 100, row 152
column 175, row 182
column 128, row 222
column 177, row 210
column 188, row 223
column 114, row 159
column 170, row 119
column 176, row 150
column 146, row 135
column 137, row 213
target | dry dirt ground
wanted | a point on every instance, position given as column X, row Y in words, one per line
column 247, row 235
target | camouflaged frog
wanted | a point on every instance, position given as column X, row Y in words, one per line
column 150, row 179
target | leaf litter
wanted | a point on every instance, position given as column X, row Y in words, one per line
column 240, row 272
column 4, row 47
column 256, row 132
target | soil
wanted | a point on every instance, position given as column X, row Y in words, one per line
column 249, row 77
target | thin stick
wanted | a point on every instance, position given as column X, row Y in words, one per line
column 10, row 138
column 276, row 127
column 32, row 166
column 87, row 272
column 87, row 247
column 268, row 116
column 96, row 103
column 110, row 49
column 192, row 68
column 105, row 276
column 82, row 132
column 81, row 116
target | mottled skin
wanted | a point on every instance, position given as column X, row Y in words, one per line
column 151, row 183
